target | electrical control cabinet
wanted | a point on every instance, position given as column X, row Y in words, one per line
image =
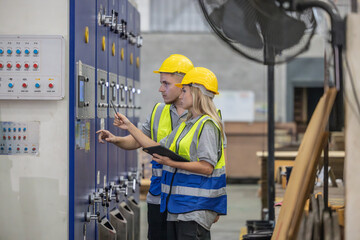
column 32, row 67
column 61, row 182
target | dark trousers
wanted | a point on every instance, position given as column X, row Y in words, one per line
column 156, row 223
column 191, row 230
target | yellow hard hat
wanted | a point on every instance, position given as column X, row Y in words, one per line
column 176, row 63
column 202, row 76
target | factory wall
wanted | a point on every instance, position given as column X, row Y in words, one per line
column 62, row 63
column 35, row 187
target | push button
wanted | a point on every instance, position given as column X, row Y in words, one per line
column 24, row 85
column 1, row 51
column 18, row 51
column 37, row 85
column 11, row 85
column 9, row 51
column 9, row 65
column 36, row 51
column 51, row 85
column 35, row 65
column 27, row 51
column 26, row 65
column 1, row 65
column 18, row 65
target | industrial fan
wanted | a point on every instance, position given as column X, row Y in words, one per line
column 271, row 32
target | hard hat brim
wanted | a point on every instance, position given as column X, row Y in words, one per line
column 179, row 85
column 158, row 71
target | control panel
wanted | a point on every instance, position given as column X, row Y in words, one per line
column 85, row 94
column 19, row 138
column 32, row 67
column 102, row 94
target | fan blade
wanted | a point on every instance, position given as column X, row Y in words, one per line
column 237, row 21
column 280, row 31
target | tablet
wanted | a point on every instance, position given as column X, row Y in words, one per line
column 163, row 151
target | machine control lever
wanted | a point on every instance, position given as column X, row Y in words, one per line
column 124, row 185
column 122, row 29
column 132, row 38
column 88, row 216
column 139, row 41
column 135, row 178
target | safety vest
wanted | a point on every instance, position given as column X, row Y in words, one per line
column 161, row 126
column 183, row 191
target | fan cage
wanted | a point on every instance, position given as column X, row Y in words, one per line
column 258, row 54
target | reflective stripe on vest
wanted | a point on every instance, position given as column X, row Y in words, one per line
column 184, row 191
column 160, row 126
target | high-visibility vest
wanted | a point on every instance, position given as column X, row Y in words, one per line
column 183, row 191
column 161, row 126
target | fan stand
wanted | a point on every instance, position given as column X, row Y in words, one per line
column 271, row 141
column 269, row 56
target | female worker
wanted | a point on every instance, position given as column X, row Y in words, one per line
column 193, row 192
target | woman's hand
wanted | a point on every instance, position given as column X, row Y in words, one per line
column 162, row 159
column 121, row 121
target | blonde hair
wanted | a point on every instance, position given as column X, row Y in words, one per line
column 204, row 105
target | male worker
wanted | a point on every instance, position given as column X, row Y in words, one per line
column 162, row 120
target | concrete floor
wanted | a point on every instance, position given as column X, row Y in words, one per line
column 243, row 204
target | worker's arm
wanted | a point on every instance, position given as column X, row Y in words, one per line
column 201, row 167
column 127, row 142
